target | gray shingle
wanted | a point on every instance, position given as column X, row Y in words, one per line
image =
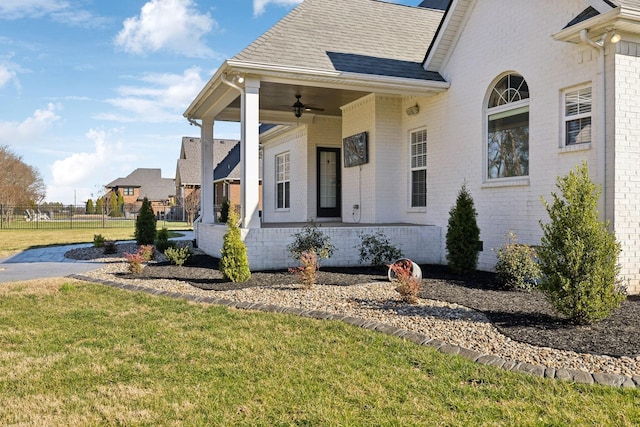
column 188, row 166
column 334, row 35
column 150, row 183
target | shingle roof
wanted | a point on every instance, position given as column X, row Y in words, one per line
column 360, row 36
column 188, row 169
column 150, row 182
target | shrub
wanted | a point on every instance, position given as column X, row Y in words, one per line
column 224, row 210
column 234, row 264
column 311, row 239
column 162, row 240
column 110, row 247
column 517, row 267
column 146, row 251
column 135, row 262
column 578, row 254
column 308, row 268
column 145, row 224
column 376, row 250
column 408, row 286
column 178, row 256
column 463, row 234
column 98, row 241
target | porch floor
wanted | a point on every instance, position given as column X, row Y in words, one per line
column 336, row 224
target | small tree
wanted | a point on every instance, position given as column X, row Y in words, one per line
column 224, row 210
column 578, row 254
column 234, row 264
column 113, row 206
column 100, row 205
column 90, row 209
column 463, row 235
column 145, row 224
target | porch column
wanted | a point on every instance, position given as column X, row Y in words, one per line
column 206, row 172
column 249, row 154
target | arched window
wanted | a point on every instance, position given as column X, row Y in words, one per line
column 508, row 128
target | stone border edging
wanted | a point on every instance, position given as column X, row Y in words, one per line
column 577, row 376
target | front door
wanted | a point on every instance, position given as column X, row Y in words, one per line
column 328, row 183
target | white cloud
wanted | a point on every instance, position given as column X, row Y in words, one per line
column 31, row 129
column 59, row 10
column 80, row 167
column 159, row 97
column 260, row 5
column 6, row 75
column 167, row 25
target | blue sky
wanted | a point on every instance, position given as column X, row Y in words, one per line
column 92, row 89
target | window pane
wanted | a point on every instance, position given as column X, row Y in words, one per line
column 578, row 131
column 508, row 146
column 280, row 195
column 511, row 88
column 286, row 195
column 419, row 188
column 578, row 102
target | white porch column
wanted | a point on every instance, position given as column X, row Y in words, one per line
column 206, row 172
column 249, row 154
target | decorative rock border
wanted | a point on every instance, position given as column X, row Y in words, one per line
column 577, row 376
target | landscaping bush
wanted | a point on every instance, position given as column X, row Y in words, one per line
column 409, row 287
column 110, row 247
column 578, row 254
column 135, row 262
column 377, row 250
column 178, row 256
column 517, row 267
column 145, row 224
column 463, row 235
column 98, row 241
column 224, row 210
column 308, row 268
column 311, row 239
column 162, row 240
column 147, row 252
column 234, row 264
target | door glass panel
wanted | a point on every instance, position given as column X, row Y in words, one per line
column 328, row 184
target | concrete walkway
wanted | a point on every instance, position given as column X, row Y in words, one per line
column 50, row 262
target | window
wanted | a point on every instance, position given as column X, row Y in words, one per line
column 282, row 181
column 508, row 128
column 419, row 168
column 127, row 191
column 577, row 116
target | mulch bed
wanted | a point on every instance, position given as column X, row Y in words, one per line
column 522, row 316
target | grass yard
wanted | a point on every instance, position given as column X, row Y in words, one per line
column 73, row 353
column 16, row 240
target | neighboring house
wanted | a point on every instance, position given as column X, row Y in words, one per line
column 226, row 156
column 143, row 183
column 394, row 108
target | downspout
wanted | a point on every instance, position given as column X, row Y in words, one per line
column 243, row 131
column 602, row 109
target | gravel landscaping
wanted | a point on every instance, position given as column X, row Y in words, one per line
column 469, row 312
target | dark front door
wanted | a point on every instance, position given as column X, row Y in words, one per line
column 328, row 182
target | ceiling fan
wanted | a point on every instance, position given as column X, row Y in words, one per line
column 298, row 107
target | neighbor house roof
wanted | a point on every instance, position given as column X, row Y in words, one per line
column 188, row 169
column 151, row 184
column 357, row 36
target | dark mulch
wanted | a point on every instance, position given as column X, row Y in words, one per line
column 522, row 316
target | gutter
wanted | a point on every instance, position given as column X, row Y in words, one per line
column 602, row 108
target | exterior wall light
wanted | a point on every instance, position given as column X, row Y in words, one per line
column 413, row 110
column 615, row 37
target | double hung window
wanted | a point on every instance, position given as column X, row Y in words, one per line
column 282, row 181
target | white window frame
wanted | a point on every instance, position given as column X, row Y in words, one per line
column 510, row 103
column 583, row 110
column 283, row 180
column 417, row 163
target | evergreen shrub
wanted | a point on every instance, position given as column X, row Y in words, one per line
column 578, row 254
column 234, row 264
column 311, row 238
column 463, row 235
column 517, row 267
column 145, row 224
column 377, row 250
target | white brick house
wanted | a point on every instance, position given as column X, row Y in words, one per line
column 504, row 95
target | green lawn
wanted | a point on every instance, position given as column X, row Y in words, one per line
column 16, row 240
column 73, row 353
